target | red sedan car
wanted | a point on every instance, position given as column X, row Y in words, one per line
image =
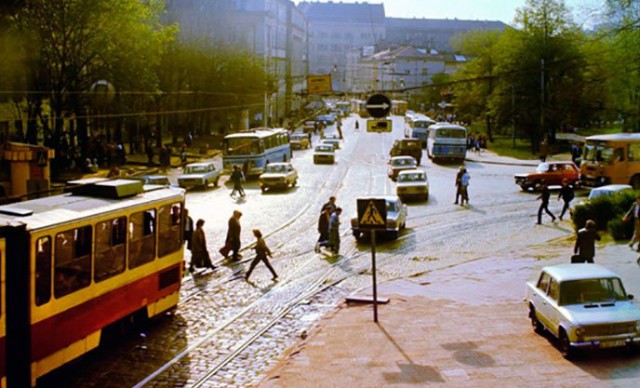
column 552, row 173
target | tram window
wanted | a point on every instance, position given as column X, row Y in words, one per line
column 110, row 248
column 142, row 238
column 170, row 229
column 72, row 260
column 43, row 270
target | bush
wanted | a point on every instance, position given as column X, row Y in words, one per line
column 607, row 212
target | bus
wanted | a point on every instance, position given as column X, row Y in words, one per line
column 75, row 265
column 253, row 149
column 446, row 141
column 344, row 107
column 399, row 107
column 611, row 159
column 418, row 125
column 360, row 107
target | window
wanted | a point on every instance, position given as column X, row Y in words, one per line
column 170, row 229
column 142, row 238
column 633, row 153
column 43, row 270
column 110, row 254
column 543, row 282
column 554, row 290
column 72, row 260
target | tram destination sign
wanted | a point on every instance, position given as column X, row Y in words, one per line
column 378, row 106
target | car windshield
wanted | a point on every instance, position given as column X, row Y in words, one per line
column 542, row 167
column 403, row 162
column 587, row 291
column 195, row 169
column 275, row 168
column 391, row 207
column 412, row 177
column 407, row 145
column 597, row 152
column 324, row 148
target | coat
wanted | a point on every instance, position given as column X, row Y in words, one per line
column 233, row 233
column 586, row 243
column 199, row 253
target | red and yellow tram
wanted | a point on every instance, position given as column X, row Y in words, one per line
column 75, row 263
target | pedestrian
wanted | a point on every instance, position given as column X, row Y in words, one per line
column 585, row 246
column 464, row 186
column 262, row 251
column 334, row 231
column 567, row 194
column 339, row 128
column 544, row 149
column 544, row 205
column 357, row 129
column 233, row 235
column 331, row 205
column 458, row 177
column 150, row 154
column 237, row 177
column 323, row 228
column 183, row 155
column 188, row 229
column 634, row 211
column 576, row 153
column 199, row 254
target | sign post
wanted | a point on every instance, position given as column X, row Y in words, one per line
column 372, row 215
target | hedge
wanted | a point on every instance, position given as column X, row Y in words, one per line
column 607, row 212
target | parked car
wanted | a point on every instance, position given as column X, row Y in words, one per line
column 333, row 142
column 278, row 175
column 412, row 184
column 407, row 147
column 396, row 218
column 324, row 153
column 199, row 175
column 300, row 141
column 553, row 173
column 583, row 306
column 327, row 119
column 400, row 163
column 162, row 180
column 608, row 190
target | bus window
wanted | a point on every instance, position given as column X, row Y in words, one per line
column 110, row 248
column 142, row 238
column 633, row 154
column 170, row 229
column 72, row 260
column 43, row 270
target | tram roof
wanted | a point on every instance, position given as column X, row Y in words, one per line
column 57, row 209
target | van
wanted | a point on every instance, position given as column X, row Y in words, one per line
column 611, row 159
column 407, row 147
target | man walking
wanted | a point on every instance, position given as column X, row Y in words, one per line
column 323, row 229
column 634, row 211
column 586, row 242
column 233, row 234
column 237, row 178
column 334, row 231
column 567, row 194
column 464, row 186
column 544, row 205
column 262, row 251
column 331, row 205
column 458, row 177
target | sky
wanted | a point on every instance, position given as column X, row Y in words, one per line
column 503, row 10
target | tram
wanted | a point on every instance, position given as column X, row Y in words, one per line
column 73, row 264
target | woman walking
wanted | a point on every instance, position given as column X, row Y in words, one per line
column 262, row 251
column 199, row 253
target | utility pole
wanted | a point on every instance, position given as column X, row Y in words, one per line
column 542, row 97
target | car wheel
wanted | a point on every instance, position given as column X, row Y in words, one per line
column 263, row 189
column 524, row 187
column 565, row 346
column 426, row 197
column 537, row 185
column 215, row 183
column 295, row 182
column 537, row 326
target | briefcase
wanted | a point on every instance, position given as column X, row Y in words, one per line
column 224, row 251
column 577, row 259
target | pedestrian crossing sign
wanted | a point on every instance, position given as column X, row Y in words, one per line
column 372, row 213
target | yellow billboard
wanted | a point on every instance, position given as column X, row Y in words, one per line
column 319, row 84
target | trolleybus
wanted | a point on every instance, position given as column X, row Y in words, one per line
column 447, row 141
column 74, row 264
column 252, row 150
column 418, row 125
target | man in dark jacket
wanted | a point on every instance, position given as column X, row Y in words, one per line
column 233, row 234
column 544, row 205
column 323, row 228
column 567, row 194
column 586, row 242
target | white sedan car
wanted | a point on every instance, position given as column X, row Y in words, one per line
column 412, row 184
column 278, row 175
column 396, row 218
column 583, row 306
column 400, row 163
column 324, row 153
column 199, row 175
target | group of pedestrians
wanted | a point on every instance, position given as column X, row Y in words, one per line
column 329, row 227
column 567, row 193
column 200, row 257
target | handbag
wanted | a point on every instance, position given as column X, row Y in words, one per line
column 577, row 259
column 224, row 251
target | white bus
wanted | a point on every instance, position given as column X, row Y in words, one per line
column 252, row 150
column 447, row 141
column 418, row 124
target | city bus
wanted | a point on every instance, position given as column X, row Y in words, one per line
column 75, row 265
column 253, row 149
column 418, row 126
column 399, row 107
column 611, row 159
column 446, row 141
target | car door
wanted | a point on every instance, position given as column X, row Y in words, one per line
column 539, row 298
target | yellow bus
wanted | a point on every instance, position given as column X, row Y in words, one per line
column 611, row 159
